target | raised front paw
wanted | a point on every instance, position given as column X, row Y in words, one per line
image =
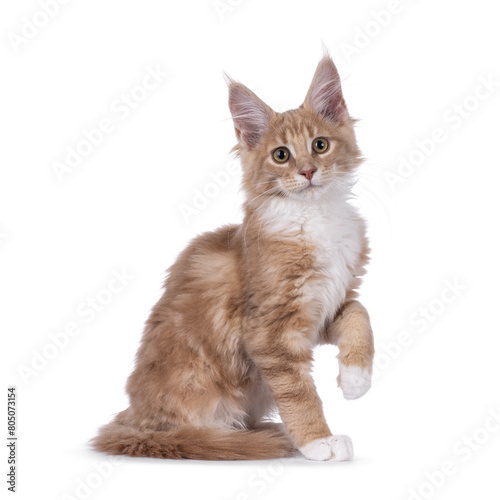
column 354, row 380
column 331, row 448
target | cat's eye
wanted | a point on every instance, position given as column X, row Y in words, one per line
column 320, row 145
column 281, row 155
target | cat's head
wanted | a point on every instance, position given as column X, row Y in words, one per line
column 301, row 154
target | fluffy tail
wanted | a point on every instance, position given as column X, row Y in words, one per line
column 195, row 443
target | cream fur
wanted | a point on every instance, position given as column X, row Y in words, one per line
column 232, row 337
column 333, row 226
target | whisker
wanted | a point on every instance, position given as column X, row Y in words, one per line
column 255, row 211
column 262, row 194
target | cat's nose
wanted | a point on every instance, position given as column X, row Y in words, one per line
column 308, row 174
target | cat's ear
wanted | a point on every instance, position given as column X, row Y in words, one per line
column 251, row 115
column 324, row 96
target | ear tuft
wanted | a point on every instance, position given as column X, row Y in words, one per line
column 324, row 96
column 251, row 115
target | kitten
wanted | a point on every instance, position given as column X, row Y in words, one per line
column 232, row 338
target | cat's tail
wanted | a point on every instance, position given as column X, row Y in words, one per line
column 195, row 443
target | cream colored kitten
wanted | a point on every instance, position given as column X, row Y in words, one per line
column 232, row 338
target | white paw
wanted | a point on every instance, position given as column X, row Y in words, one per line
column 331, row 448
column 354, row 380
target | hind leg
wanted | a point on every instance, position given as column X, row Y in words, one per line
column 258, row 402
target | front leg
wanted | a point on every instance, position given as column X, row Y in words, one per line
column 283, row 353
column 352, row 333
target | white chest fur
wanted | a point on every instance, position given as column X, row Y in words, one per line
column 334, row 230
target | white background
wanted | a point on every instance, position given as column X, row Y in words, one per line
column 120, row 209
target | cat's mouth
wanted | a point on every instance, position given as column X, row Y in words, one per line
column 311, row 190
column 308, row 191
column 310, row 186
